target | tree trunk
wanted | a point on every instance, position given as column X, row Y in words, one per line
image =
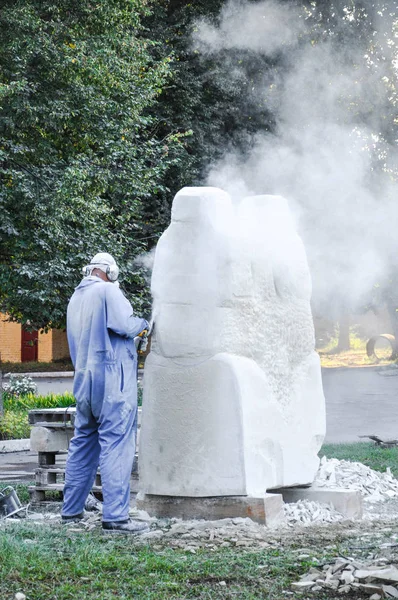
column 393, row 312
column 344, row 333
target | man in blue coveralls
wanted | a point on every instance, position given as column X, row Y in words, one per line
column 101, row 328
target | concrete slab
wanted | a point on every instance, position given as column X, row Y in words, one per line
column 14, row 445
column 267, row 510
column 44, row 439
column 346, row 502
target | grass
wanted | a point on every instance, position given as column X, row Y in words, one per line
column 14, row 422
column 51, row 563
column 29, row 401
column 369, row 454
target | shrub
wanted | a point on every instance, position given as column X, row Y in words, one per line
column 63, row 364
column 20, row 385
column 30, row 401
column 14, row 425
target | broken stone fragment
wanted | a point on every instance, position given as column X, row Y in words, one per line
column 242, row 543
column 340, row 565
column 370, row 588
column 390, row 591
column 301, row 585
column 344, row 589
column 386, row 574
column 314, row 576
column 153, row 535
column 347, row 577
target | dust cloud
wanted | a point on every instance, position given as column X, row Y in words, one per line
column 332, row 152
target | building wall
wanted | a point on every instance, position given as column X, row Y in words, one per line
column 10, row 340
column 51, row 346
column 60, row 344
column 45, row 349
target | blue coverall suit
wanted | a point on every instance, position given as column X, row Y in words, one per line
column 100, row 328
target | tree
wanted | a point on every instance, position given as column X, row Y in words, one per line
column 214, row 98
column 78, row 153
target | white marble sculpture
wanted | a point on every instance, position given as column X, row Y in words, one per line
column 233, row 401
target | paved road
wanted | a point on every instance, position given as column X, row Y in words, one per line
column 18, row 466
column 361, row 401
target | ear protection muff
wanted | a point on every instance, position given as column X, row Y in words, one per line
column 111, row 271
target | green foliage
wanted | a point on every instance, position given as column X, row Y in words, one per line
column 14, row 422
column 14, row 425
column 30, row 401
column 357, row 342
column 36, row 367
column 219, row 99
column 78, row 154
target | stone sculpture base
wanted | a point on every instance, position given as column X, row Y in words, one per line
column 347, row 502
column 267, row 510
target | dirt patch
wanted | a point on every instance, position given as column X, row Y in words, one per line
column 351, row 358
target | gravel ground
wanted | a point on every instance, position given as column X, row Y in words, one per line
column 304, row 521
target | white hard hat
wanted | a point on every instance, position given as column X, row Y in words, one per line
column 103, row 258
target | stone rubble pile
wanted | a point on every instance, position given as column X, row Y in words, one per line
column 189, row 535
column 373, row 486
column 377, row 579
column 380, row 492
column 306, row 512
column 222, row 533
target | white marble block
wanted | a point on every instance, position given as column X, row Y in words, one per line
column 233, row 401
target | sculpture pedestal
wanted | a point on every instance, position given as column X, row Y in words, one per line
column 267, row 510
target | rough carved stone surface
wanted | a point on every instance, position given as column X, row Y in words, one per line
column 233, row 401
